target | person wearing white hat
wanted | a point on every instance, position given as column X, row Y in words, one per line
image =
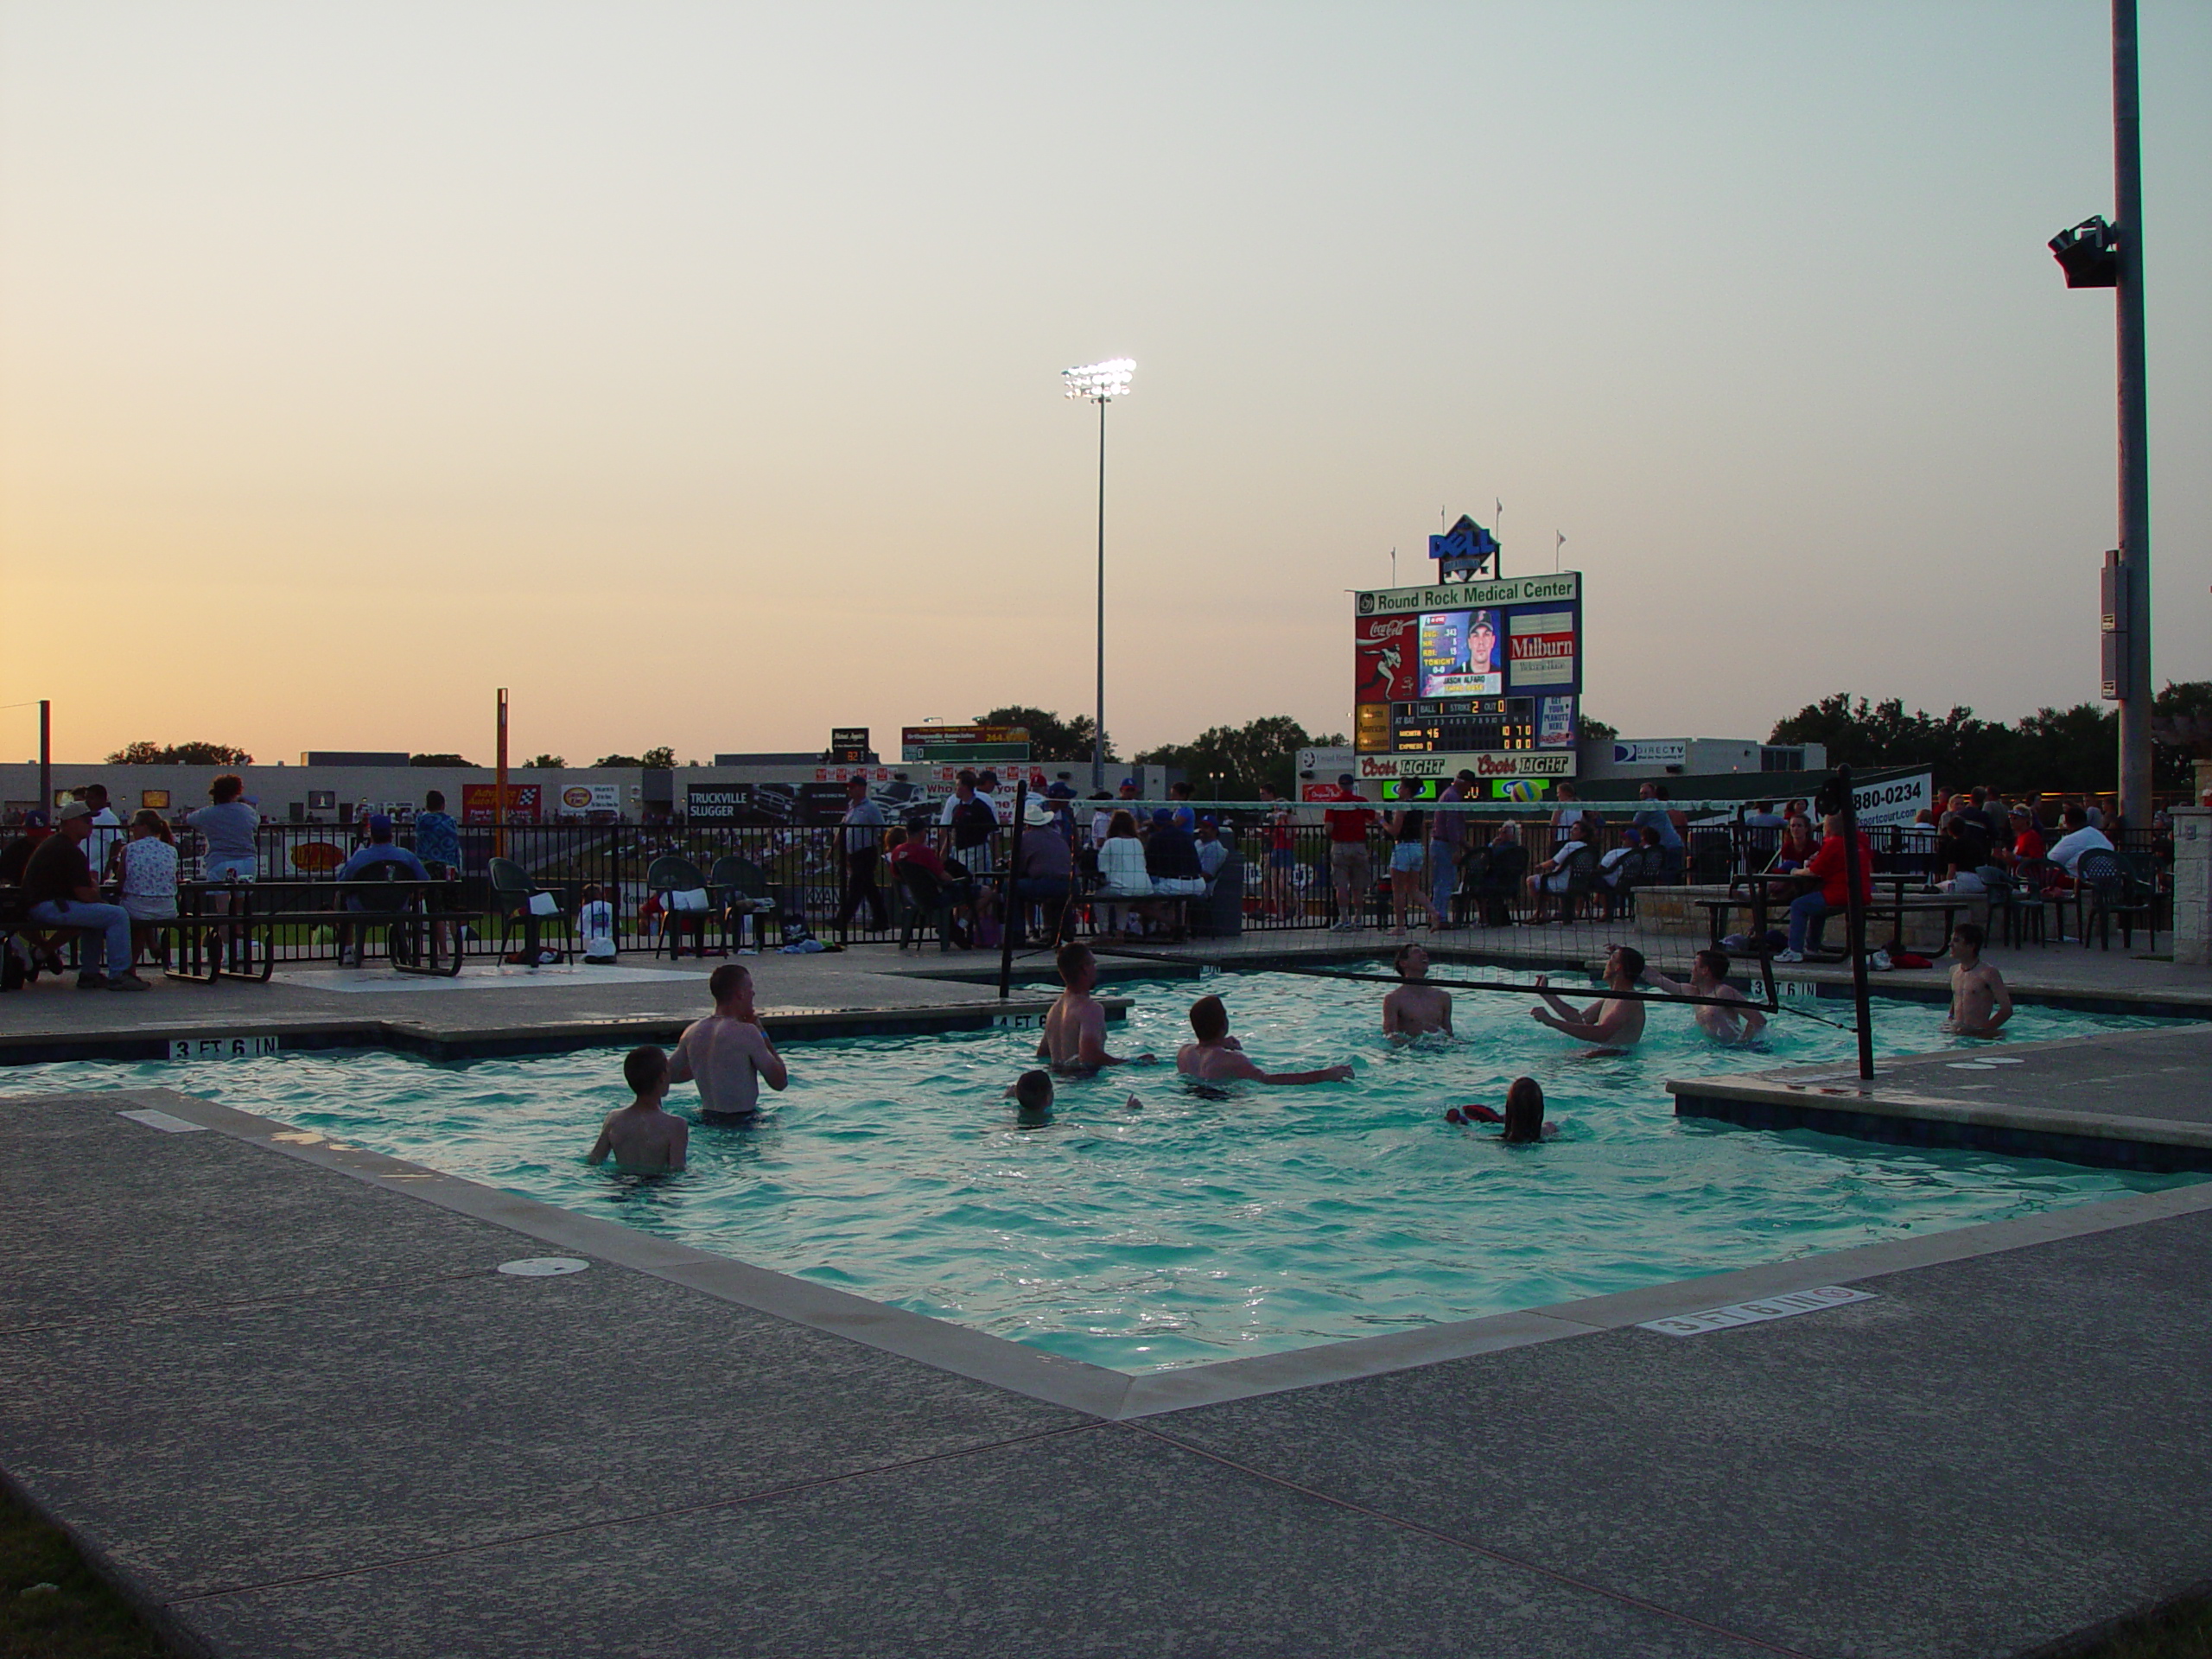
column 1044, row 867
column 60, row 891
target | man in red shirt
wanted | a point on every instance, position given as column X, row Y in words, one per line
column 2027, row 839
column 1350, row 867
column 1812, row 910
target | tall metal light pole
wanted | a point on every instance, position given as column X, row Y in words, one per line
column 1101, row 383
column 2096, row 255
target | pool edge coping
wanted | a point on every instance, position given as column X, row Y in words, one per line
column 1095, row 1390
column 315, row 1030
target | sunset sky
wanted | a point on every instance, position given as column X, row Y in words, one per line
column 693, row 369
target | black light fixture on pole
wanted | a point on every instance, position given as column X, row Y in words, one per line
column 2094, row 254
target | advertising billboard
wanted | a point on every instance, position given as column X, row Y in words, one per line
column 1386, row 659
column 480, row 802
column 1541, row 647
column 577, row 798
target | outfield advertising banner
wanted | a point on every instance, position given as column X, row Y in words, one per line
column 480, row 802
column 1898, row 800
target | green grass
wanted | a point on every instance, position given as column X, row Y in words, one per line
column 79, row 1618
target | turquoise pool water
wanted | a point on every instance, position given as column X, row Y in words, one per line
column 1198, row 1228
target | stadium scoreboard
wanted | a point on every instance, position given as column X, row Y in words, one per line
column 1483, row 676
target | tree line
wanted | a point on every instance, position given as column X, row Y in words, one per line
column 2055, row 751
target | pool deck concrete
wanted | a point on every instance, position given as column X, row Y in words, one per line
column 277, row 1390
column 2133, row 1098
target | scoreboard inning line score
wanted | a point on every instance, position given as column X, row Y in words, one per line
column 1478, row 676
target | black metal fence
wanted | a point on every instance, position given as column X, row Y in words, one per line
column 1280, row 879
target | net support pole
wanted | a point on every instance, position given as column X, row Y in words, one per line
column 499, row 792
column 1013, row 891
column 1098, row 717
column 1854, row 914
column 46, row 759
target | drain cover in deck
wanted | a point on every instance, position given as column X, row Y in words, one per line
column 543, row 1267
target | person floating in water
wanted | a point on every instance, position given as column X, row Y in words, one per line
column 1416, row 1007
column 1032, row 1095
column 727, row 1054
column 643, row 1139
column 1736, row 1023
column 1217, row 1057
column 1523, row 1117
column 1075, row 1031
column 1980, row 1001
column 1615, row 1023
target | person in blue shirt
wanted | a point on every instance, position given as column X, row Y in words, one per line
column 1657, row 822
column 437, row 837
column 1186, row 819
column 378, row 849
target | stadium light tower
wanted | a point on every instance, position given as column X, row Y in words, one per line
column 2094, row 254
column 1101, row 383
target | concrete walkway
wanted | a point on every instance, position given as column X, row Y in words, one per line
column 278, row 1389
column 2138, row 1099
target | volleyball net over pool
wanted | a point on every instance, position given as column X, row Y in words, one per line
column 1514, row 903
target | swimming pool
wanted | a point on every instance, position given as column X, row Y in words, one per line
column 1197, row 1229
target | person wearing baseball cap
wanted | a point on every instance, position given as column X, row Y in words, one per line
column 60, row 891
column 380, row 849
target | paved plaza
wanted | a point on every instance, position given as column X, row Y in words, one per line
column 278, row 1388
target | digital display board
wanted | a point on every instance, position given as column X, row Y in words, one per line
column 1459, row 653
column 1464, row 726
column 1478, row 676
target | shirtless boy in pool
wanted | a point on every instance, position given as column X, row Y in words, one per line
column 1981, row 1002
column 1416, row 1007
column 1614, row 1024
column 1075, row 1030
column 1217, row 1057
column 642, row 1139
column 1736, row 1023
column 726, row 1053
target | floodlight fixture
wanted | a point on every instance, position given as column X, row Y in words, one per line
column 2088, row 253
column 1100, row 382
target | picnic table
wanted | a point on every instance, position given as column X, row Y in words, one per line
column 1901, row 886
column 415, row 912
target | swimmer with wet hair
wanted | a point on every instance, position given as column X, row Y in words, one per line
column 1217, row 1057
column 1032, row 1095
column 1523, row 1117
column 1416, row 1007
column 1614, row 1023
column 1075, row 1030
column 642, row 1138
column 1737, row 1022
column 727, row 1054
